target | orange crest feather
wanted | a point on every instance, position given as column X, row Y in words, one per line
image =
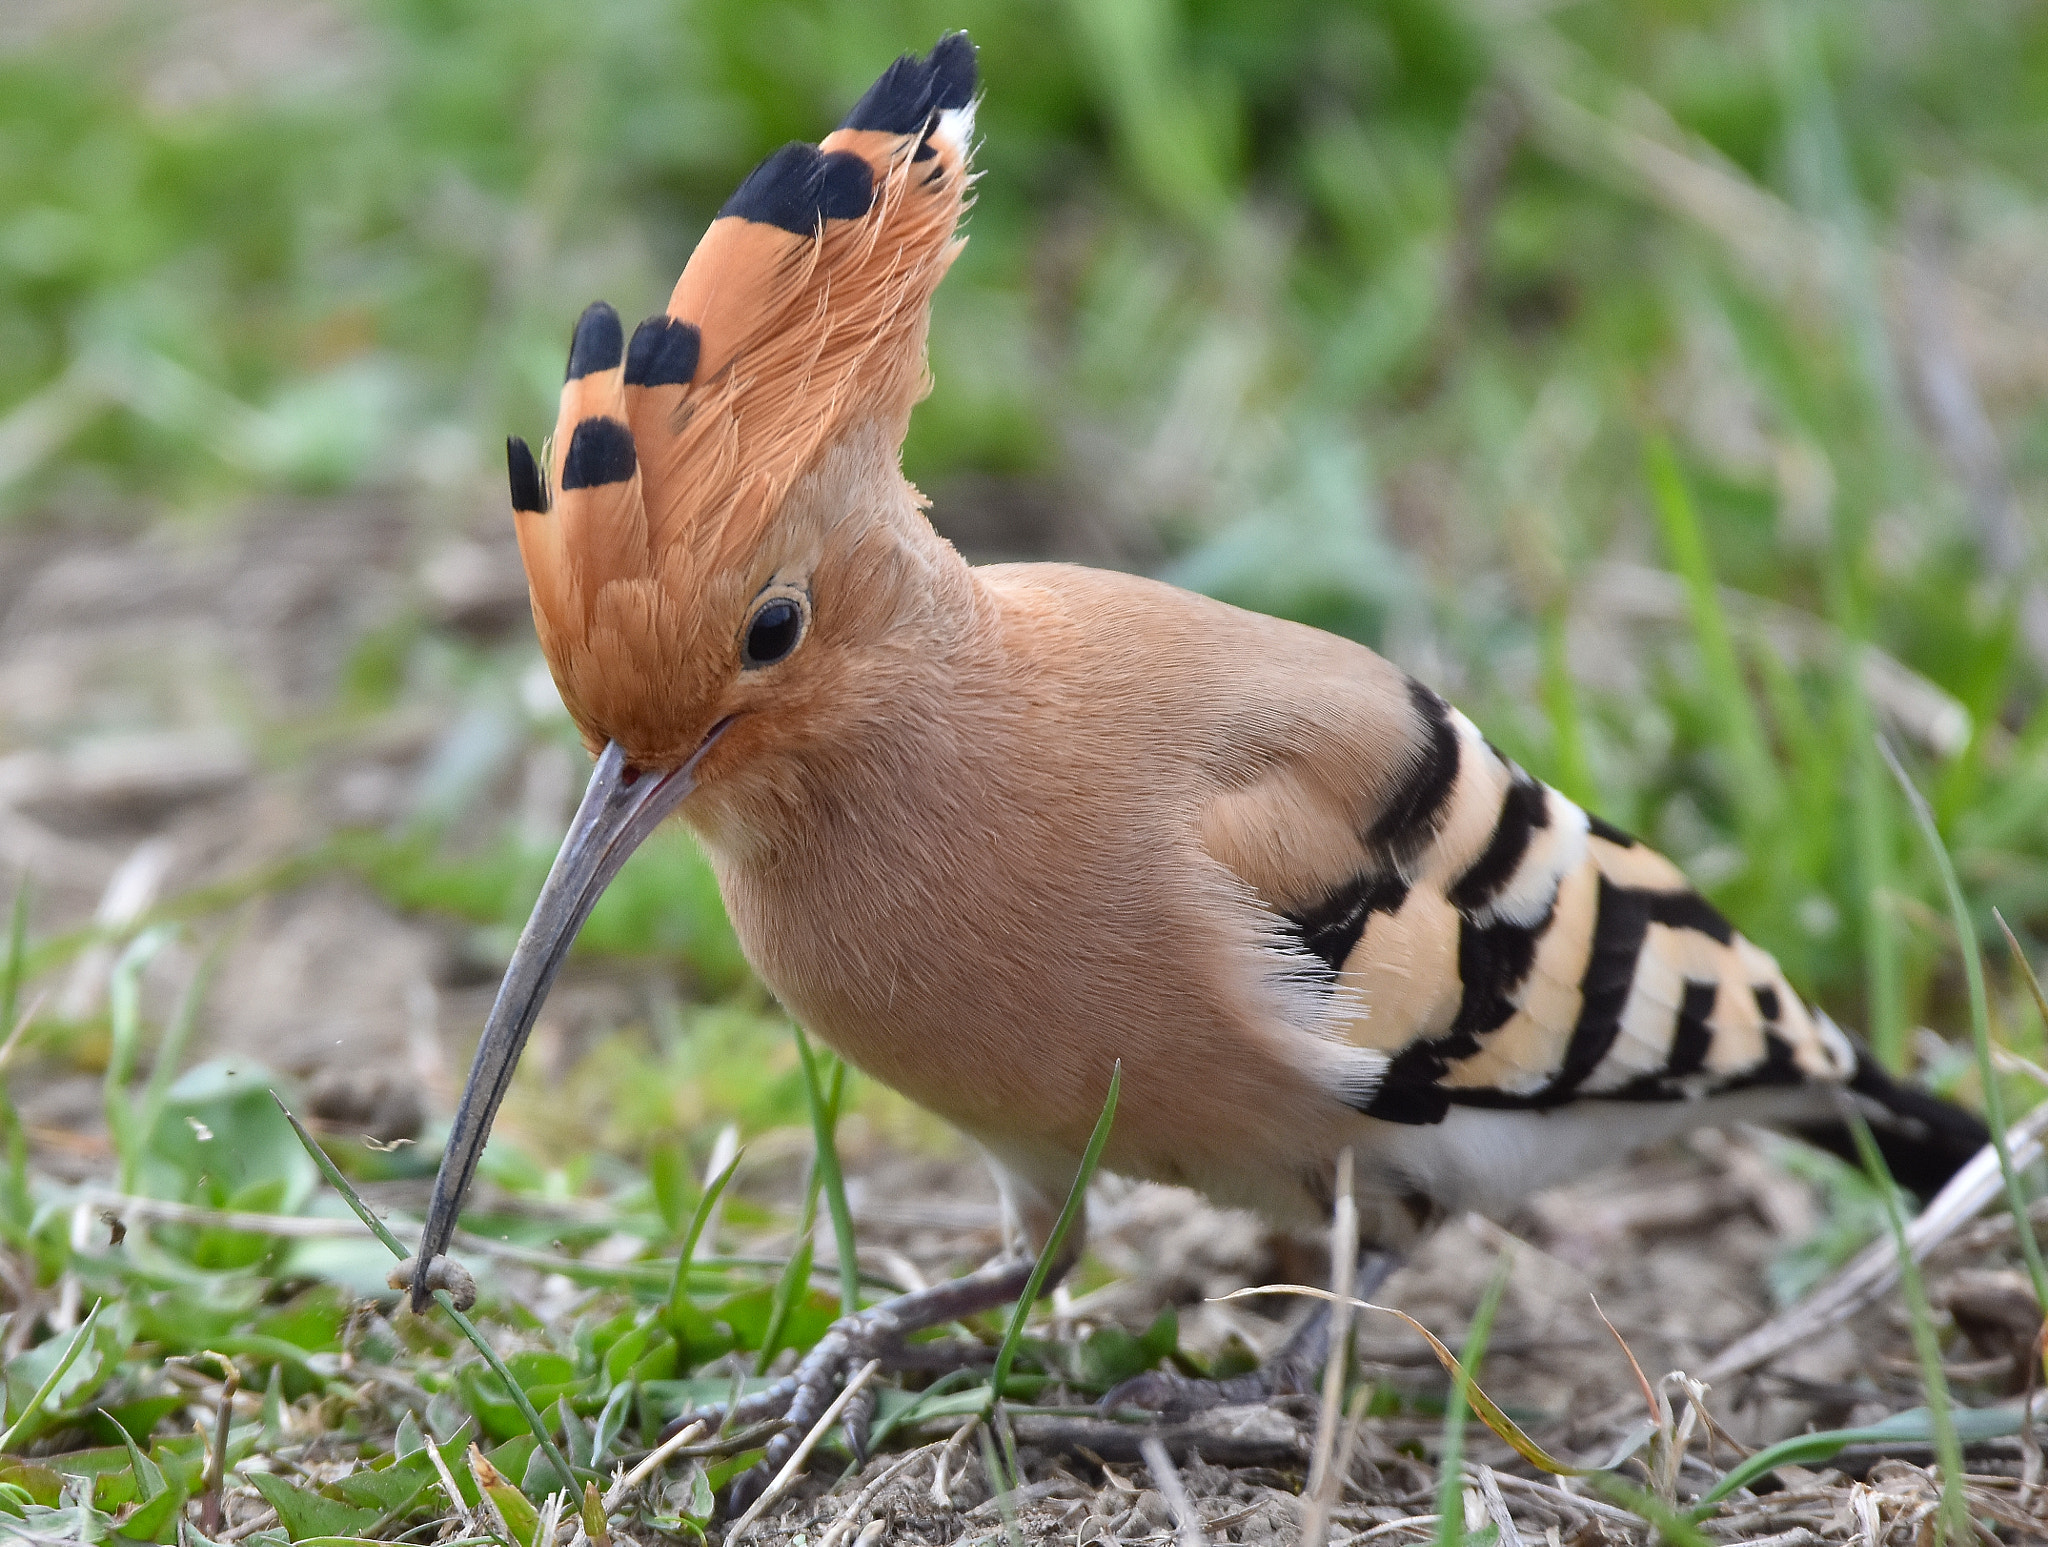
column 799, row 320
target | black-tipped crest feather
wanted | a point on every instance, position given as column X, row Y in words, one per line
column 800, row 186
column 598, row 342
column 600, row 452
column 527, row 493
column 663, row 353
column 912, row 90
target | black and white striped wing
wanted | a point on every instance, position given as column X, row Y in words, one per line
column 1503, row 949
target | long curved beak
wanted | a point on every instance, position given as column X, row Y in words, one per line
column 620, row 807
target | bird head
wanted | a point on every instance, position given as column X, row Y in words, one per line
column 701, row 538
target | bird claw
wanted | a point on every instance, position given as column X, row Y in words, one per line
column 799, row 1399
column 1170, row 1394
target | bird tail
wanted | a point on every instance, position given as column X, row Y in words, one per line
column 1924, row 1140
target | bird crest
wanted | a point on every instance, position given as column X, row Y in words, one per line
column 798, row 326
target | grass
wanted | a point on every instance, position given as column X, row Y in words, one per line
column 1207, row 325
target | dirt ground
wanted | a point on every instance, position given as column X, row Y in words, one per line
column 168, row 722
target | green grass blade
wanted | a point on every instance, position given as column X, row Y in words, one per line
column 1756, row 791
column 14, row 971
column 80, row 1340
column 170, row 1050
column 1980, row 1021
column 1571, row 770
column 1450, row 1490
column 467, row 1327
column 1871, row 823
column 824, row 1125
column 16, row 1208
column 1915, row 1426
column 1948, row 1449
column 796, row 1274
column 124, row 1014
column 1077, row 1197
column 1672, row 1526
column 678, row 1285
column 2028, row 1245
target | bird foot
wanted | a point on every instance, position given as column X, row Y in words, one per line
column 1170, row 1394
column 800, row 1399
column 1293, row 1367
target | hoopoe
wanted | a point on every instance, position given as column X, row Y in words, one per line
column 988, row 831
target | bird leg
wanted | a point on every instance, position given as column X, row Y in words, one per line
column 1292, row 1367
column 800, row 1398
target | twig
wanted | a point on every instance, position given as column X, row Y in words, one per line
column 1321, row 1491
column 793, row 1467
column 1557, row 1497
column 1412, row 1523
column 1876, row 1268
column 1174, row 1491
column 649, row 1464
column 1497, row 1507
column 942, row 1492
column 212, row 1505
column 1354, row 1415
column 846, row 1523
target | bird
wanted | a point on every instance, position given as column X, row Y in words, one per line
column 994, row 832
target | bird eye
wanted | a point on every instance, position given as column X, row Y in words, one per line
column 774, row 632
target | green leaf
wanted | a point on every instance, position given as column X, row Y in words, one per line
column 668, row 1175
column 1915, row 1426
column 387, row 1491
column 139, row 1418
column 56, row 1371
column 511, row 1458
column 149, row 1481
column 41, row 1484
column 408, row 1441
column 156, row 1520
column 610, row 1422
column 521, row 1519
column 539, row 1369
column 542, row 1477
column 305, row 1514
column 824, row 1107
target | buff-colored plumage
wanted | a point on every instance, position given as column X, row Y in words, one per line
column 990, row 831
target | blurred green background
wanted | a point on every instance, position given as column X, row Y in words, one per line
column 1662, row 381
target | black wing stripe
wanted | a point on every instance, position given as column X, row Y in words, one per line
column 1609, row 831
column 1332, row 928
column 1524, row 809
column 1410, row 817
column 1620, row 923
column 1493, row 963
column 1694, row 1036
column 1689, row 910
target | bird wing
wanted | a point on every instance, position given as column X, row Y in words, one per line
column 1494, row 944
